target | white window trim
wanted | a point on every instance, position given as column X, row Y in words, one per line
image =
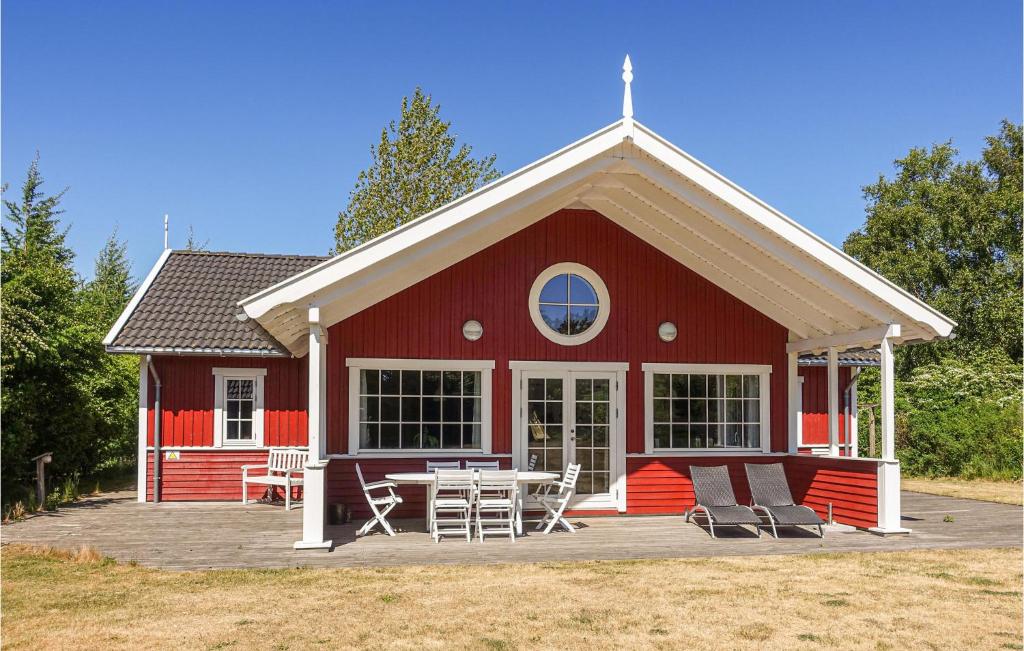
column 221, row 375
column 356, row 364
column 762, row 370
column 603, row 300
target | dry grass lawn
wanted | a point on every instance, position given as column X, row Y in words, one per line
column 1005, row 492
column 916, row 600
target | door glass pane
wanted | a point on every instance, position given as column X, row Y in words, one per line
column 593, row 411
column 545, row 423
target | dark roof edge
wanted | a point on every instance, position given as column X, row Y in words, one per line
column 181, row 350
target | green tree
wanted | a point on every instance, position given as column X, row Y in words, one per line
column 112, row 386
column 43, row 407
column 950, row 233
column 415, row 168
column 106, row 295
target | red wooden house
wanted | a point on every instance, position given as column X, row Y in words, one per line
column 616, row 303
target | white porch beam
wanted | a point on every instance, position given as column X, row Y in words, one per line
column 843, row 341
column 315, row 471
column 833, row 402
column 795, row 408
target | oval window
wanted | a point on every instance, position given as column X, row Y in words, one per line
column 569, row 303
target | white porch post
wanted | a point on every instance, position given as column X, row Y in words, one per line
column 833, row 402
column 795, row 408
column 853, row 435
column 140, row 483
column 313, row 490
column 888, row 467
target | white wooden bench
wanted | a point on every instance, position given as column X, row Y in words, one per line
column 281, row 466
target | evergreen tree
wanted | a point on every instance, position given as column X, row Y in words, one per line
column 107, row 294
column 415, row 168
column 50, row 351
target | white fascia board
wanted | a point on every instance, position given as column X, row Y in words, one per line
column 774, row 220
column 326, row 273
column 137, row 298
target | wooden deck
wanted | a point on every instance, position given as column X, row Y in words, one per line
column 192, row 536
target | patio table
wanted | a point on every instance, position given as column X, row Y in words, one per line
column 523, row 478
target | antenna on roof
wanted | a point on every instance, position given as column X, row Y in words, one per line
column 165, row 231
column 627, row 96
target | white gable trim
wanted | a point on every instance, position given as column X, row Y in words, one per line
column 647, row 185
column 137, row 298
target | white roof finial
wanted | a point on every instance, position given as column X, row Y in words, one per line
column 627, row 97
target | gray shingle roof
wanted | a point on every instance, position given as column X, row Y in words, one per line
column 846, row 358
column 192, row 303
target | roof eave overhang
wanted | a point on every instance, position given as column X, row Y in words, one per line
column 197, row 351
column 640, row 180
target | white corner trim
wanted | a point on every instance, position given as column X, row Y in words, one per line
column 604, row 303
column 137, row 298
column 143, row 458
column 220, row 376
column 420, row 364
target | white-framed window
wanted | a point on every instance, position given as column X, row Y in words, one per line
column 569, row 303
column 707, row 408
column 238, row 407
column 419, row 406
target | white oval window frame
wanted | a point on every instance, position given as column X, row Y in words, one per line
column 603, row 300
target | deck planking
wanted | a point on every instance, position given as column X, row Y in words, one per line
column 198, row 536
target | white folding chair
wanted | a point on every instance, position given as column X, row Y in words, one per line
column 496, row 503
column 482, row 465
column 442, row 465
column 555, row 503
column 388, row 502
column 452, row 495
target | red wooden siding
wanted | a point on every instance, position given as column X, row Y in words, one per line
column 850, row 485
column 187, row 397
column 343, row 484
column 663, row 486
column 815, row 404
column 646, row 288
column 201, row 475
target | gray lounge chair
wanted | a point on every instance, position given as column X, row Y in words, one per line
column 769, row 492
column 713, row 490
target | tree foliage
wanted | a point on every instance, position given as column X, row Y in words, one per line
column 58, row 388
column 949, row 232
column 415, row 168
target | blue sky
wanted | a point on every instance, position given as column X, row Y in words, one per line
column 250, row 120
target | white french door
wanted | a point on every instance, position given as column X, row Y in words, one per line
column 573, row 417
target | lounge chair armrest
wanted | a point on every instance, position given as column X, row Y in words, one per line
column 381, row 484
column 255, row 467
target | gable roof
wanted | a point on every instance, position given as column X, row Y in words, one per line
column 645, row 184
column 188, row 304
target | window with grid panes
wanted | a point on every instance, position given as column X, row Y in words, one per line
column 239, row 407
column 693, row 411
column 419, row 409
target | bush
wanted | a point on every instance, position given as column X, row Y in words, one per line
column 957, row 418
